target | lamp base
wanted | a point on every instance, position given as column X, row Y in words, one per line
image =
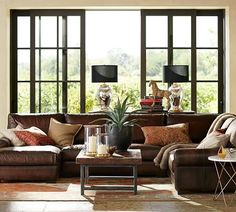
column 175, row 98
column 103, row 96
column 175, row 110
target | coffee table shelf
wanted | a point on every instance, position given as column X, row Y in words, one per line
column 130, row 158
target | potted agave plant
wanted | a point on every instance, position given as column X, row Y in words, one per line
column 119, row 125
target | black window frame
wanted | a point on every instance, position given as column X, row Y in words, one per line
column 13, row 56
column 220, row 13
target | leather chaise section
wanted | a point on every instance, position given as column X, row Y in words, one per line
column 193, row 157
column 29, row 155
column 29, row 173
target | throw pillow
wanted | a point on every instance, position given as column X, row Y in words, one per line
column 214, row 140
column 219, row 131
column 10, row 134
column 163, row 135
column 231, row 130
column 63, row 134
column 34, row 137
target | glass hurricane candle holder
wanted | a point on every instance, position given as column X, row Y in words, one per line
column 102, row 145
column 90, row 138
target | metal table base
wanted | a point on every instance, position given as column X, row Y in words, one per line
column 220, row 170
column 85, row 177
column 220, row 167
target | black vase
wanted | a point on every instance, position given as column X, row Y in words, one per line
column 120, row 138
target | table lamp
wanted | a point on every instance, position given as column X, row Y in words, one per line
column 103, row 74
column 173, row 74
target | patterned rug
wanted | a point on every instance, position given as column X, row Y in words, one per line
column 150, row 190
column 69, row 190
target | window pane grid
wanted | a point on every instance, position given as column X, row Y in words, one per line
column 185, row 50
column 48, row 52
column 159, row 40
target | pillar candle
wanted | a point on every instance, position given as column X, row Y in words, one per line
column 102, row 149
column 92, row 143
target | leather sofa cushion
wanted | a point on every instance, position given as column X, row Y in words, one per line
column 198, row 124
column 83, row 119
column 137, row 135
column 5, row 142
column 29, row 155
column 70, row 153
column 149, row 152
column 37, row 120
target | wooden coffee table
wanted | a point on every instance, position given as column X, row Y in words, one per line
column 130, row 158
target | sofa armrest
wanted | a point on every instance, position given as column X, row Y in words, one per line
column 193, row 157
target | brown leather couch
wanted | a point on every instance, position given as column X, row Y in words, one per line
column 35, row 164
column 190, row 169
column 65, row 162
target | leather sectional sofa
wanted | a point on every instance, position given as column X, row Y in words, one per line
column 189, row 169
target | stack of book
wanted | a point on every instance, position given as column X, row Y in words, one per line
column 151, row 103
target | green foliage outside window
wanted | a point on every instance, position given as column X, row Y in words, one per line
column 206, row 92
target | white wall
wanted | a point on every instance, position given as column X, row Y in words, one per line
column 6, row 5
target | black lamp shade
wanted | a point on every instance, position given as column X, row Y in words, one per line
column 104, row 73
column 175, row 73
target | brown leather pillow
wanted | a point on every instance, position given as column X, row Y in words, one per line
column 63, row 134
column 163, row 135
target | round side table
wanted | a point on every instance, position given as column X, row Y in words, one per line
column 220, row 169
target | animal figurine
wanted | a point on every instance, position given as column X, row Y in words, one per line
column 159, row 92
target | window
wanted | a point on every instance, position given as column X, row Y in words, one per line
column 50, row 73
column 189, row 37
column 113, row 38
column 48, row 61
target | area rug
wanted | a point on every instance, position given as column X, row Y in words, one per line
column 150, row 190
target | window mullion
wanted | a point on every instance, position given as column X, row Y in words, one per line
column 13, row 64
column 170, row 40
column 82, row 64
column 221, row 77
column 32, row 64
column 64, row 64
column 40, row 67
column 57, row 64
column 143, row 54
column 193, row 65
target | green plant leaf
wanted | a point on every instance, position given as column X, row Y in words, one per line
column 118, row 115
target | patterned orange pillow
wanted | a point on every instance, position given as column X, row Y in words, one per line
column 33, row 138
column 163, row 135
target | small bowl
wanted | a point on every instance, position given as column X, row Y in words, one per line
column 111, row 149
